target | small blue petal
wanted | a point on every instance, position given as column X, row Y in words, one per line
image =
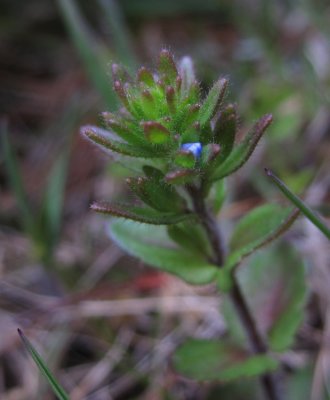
column 195, row 148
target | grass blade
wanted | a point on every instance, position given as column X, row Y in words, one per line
column 89, row 50
column 314, row 218
column 15, row 180
column 120, row 34
column 57, row 388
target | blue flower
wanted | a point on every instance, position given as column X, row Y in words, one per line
column 195, row 148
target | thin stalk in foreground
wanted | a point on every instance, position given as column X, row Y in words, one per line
column 314, row 218
column 57, row 388
column 258, row 345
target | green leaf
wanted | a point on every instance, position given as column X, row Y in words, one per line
column 212, row 101
column 167, row 68
column 104, row 140
column 273, row 284
column 185, row 159
column 57, row 388
column 145, row 76
column 315, row 219
column 242, row 152
column 257, row 229
column 211, row 153
column 190, row 116
column 180, row 176
column 148, row 105
column 151, row 245
column 225, row 131
column 171, row 99
column 219, row 195
column 190, row 236
column 140, row 214
column 155, row 132
column 157, row 194
column 209, row 360
column 124, row 129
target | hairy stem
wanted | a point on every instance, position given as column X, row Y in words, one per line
column 256, row 341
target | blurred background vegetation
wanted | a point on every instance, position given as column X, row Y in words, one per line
column 105, row 323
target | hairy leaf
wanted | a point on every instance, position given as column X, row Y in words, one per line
column 140, row 214
column 155, row 132
column 145, row 76
column 166, row 67
column 151, row 245
column 185, row 159
column 105, row 141
column 209, row 360
column 191, row 236
column 242, row 151
column 212, row 101
column 225, row 130
column 124, row 129
column 257, row 229
column 157, row 194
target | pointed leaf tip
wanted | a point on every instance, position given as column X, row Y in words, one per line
column 56, row 387
column 212, row 101
column 155, row 132
column 104, row 140
column 119, row 73
column 243, row 151
column 166, row 67
column 145, row 76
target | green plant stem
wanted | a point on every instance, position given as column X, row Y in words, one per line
column 209, row 223
column 315, row 219
column 257, row 343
